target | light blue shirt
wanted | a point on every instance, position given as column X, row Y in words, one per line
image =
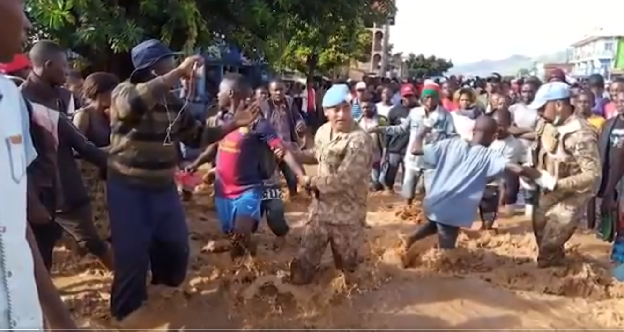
column 19, row 302
column 457, row 179
column 443, row 128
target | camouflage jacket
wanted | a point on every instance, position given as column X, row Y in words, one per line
column 343, row 173
column 570, row 153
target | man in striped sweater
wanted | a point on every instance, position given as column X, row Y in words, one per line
column 147, row 220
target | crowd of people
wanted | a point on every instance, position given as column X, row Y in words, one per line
column 80, row 153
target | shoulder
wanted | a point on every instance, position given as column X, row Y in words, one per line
column 124, row 90
column 360, row 142
column 322, row 132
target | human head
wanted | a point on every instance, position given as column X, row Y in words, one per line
column 360, row 88
column 14, row 25
column 465, row 98
column 528, row 89
column 233, row 90
column 74, row 81
column 493, row 83
column 552, row 101
column 262, row 93
column 596, row 84
column 386, row 94
column 448, row 89
column 97, row 89
column 49, row 61
column 485, row 129
column 499, row 101
column 616, row 87
column 503, row 121
column 430, row 97
column 619, row 103
column 153, row 56
column 337, row 107
column 367, row 104
column 408, row 95
column 585, row 101
column 277, row 90
column 557, row 75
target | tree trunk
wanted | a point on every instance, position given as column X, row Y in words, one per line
column 311, row 64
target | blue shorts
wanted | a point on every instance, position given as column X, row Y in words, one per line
column 246, row 205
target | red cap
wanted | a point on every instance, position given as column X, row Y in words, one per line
column 20, row 61
column 407, row 90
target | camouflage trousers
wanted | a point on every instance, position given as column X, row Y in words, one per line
column 344, row 239
column 554, row 222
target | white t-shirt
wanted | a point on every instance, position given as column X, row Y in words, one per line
column 383, row 109
column 463, row 125
column 524, row 117
column 510, row 148
column 19, row 301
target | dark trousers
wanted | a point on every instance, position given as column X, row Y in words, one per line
column 289, row 175
column 390, row 168
column 447, row 235
column 273, row 210
column 47, row 235
column 149, row 231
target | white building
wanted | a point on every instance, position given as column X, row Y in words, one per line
column 595, row 53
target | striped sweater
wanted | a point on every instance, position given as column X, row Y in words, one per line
column 141, row 150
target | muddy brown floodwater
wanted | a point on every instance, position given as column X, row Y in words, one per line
column 490, row 282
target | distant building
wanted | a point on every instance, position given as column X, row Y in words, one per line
column 596, row 52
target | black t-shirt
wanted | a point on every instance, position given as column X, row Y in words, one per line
column 397, row 143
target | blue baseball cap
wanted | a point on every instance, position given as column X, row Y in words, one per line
column 336, row 95
column 550, row 92
column 147, row 53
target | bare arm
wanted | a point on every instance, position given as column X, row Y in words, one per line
column 306, row 157
column 206, row 156
column 417, row 147
column 54, row 310
column 81, row 121
column 130, row 102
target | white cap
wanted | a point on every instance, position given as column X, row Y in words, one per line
column 360, row 86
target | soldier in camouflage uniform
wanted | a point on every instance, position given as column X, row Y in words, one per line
column 567, row 148
column 337, row 216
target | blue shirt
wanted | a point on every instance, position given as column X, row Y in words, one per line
column 459, row 172
column 356, row 110
column 443, row 128
column 396, row 99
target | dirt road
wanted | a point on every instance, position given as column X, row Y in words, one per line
column 491, row 282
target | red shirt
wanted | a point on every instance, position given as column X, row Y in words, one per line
column 449, row 105
column 610, row 110
column 238, row 160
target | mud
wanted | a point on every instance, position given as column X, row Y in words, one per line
column 490, row 282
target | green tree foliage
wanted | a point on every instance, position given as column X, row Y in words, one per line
column 421, row 66
column 290, row 33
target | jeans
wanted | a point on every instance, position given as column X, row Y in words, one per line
column 390, row 168
column 447, row 235
column 410, row 182
column 289, row 175
column 375, row 176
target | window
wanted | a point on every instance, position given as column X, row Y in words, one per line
column 608, row 46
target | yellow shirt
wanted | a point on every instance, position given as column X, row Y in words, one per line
column 596, row 121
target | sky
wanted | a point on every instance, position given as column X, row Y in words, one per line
column 474, row 30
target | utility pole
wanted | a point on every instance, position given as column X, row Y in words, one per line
column 383, row 70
